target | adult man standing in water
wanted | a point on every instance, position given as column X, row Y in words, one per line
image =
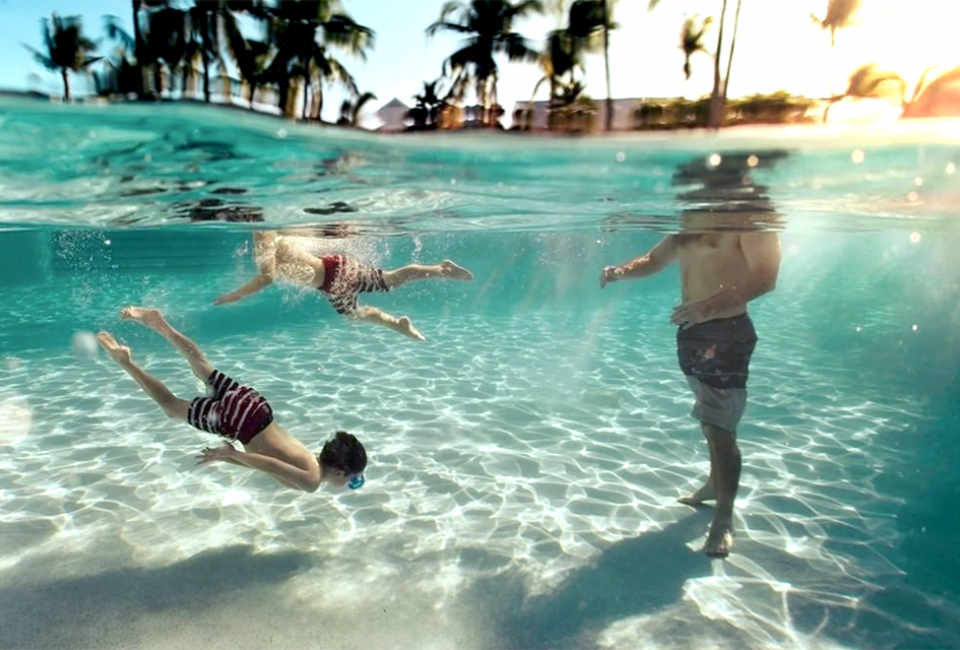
column 721, row 271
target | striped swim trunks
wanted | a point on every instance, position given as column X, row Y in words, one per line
column 234, row 411
column 344, row 279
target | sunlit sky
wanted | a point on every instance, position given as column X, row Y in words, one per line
column 778, row 47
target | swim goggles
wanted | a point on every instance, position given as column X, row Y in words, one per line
column 356, row 482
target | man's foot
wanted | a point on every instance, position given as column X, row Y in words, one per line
column 706, row 493
column 406, row 327
column 453, row 271
column 152, row 318
column 119, row 353
column 719, row 540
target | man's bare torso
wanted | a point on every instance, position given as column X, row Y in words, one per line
column 711, row 263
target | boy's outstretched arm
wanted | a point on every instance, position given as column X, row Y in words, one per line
column 261, row 281
column 295, row 477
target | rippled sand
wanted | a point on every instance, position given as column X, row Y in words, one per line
column 521, row 493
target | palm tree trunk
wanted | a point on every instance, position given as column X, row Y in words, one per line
column 606, row 62
column 203, row 53
column 253, row 92
column 137, row 47
column 283, row 94
column 733, row 44
column 306, row 100
column 833, row 58
column 67, row 95
column 716, row 98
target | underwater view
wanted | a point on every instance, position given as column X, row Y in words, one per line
column 524, row 459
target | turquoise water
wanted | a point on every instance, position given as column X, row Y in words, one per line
column 525, row 460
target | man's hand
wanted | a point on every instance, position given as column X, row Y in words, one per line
column 224, row 299
column 610, row 274
column 225, row 451
column 690, row 314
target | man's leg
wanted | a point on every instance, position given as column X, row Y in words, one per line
column 726, row 462
column 446, row 270
column 172, row 405
column 153, row 319
column 709, row 490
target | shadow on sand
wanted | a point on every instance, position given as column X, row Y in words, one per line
column 44, row 611
column 633, row 577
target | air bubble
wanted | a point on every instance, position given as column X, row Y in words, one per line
column 84, row 345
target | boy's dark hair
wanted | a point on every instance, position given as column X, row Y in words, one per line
column 344, row 452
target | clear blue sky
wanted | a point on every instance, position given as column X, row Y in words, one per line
column 778, row 46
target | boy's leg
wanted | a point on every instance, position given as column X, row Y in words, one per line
column 378, row 317
column 172, row 405
column 446, row 270
column 153, row 319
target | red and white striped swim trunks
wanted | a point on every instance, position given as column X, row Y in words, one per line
column 234, row 411
column 344, row 278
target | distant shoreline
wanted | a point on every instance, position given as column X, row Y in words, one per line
column 948, row 127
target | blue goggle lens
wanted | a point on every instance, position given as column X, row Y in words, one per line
column 356, row 482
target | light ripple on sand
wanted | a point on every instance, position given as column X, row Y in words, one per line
column 480, row 468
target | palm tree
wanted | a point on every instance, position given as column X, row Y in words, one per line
column 350, row 109
column 733, row 45
column 565, row 50
column 164, row 41
column 67, row 49
column 869, row 82
column 839, row 15
column 691, row 40
column 607, row 8
column 252, row 59
column 488, row 25
column 559, row 59
column 121, row 72
column 939, row 96
column 719, row 93
column 303, row 33
column 138, row 41
column 429, row 103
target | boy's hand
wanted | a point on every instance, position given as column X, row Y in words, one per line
column 225, row 451
column 610, row 274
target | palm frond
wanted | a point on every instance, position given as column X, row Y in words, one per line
column 340, row 74
column 342, row 31
column 43, row 60
column 442, row 25
column 115, row 32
